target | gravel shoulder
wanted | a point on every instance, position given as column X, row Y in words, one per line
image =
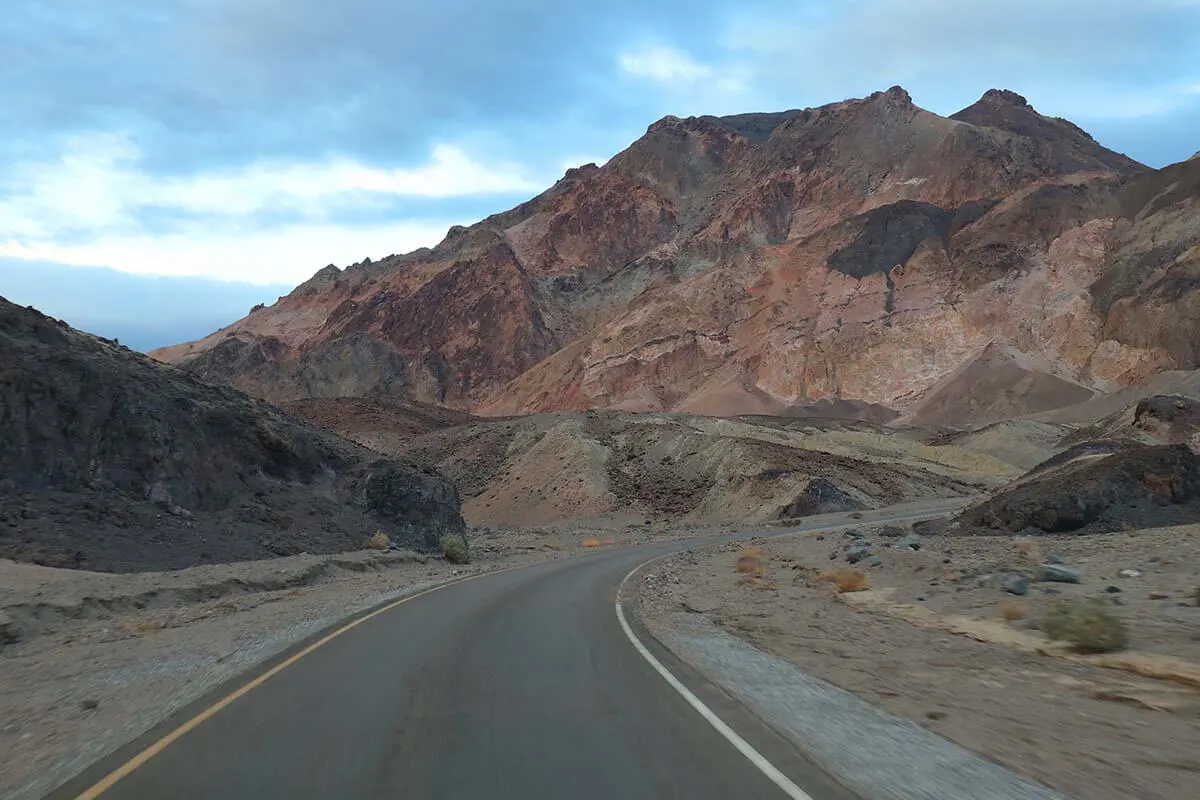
column 954, row 665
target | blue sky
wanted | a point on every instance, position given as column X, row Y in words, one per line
column 258, row 140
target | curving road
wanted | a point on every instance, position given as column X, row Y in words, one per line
column 518, row 684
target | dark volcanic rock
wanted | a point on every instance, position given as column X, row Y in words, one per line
column 820, row 497
column 1180, row 416
column 111, row 461
column 890, row 235
column 1083, row 492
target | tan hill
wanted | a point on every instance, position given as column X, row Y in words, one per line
column 612, row 466
column 1024, row 443
column 1091, row 411
column 999, row 384
column 863, row 251
column 111, row 461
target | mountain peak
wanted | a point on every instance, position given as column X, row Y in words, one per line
column 1005, row 97
column 1069, row 147
column 897, row 95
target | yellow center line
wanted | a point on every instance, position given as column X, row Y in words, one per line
column 123, row 771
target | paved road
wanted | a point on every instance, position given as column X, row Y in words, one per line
column 515, row 685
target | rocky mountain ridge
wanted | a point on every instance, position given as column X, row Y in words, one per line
column 110, row 461
column 863, row 250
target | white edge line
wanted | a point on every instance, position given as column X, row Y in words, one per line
column 786, row 785
column 745, row 748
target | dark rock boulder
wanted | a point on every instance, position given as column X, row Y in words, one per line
column 1093, row 489
column 821, row 496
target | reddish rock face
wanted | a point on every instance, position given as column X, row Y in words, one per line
column 865, row 250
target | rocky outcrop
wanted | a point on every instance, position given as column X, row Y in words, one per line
column 1096, row 487
column 1158, row 419
column 863, row 250
column 112, row 461
column 545, row 469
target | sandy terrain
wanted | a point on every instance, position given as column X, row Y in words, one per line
column 928, row 642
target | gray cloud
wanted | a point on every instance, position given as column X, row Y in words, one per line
column 208, row 84
column 211, row 83
column 253, row 92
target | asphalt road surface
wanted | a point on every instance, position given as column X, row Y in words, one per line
column 518, row 684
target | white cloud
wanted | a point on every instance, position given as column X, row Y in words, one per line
column 663, row 65
column 689, row 86
column 86, row 208
column 286, row 255
column 96, row 187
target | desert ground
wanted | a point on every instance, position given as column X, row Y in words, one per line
column 948, row 635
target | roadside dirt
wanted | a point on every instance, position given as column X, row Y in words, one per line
column 995, row 686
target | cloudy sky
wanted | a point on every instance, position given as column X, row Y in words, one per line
column 258, row 140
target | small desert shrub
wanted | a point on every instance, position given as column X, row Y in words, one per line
column 1030, row 551
column 454, row 548
column 750, row 565
column 379, row 541
column 848, row 580
column 1090, row 627
column 1013, row 610
column 223, row 607
column 149, row 626
column 590, row 542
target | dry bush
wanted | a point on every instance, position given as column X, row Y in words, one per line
column 590, row 543
column 222, row 607
column 752, row 551
column 1013, row 610
column 848, row 580
column 1030, row 551
column 142, row 628
column 1090, row 627
column 379, row 541
column 751, row 565
column 455, row 549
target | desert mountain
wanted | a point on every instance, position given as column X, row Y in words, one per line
column 112, row 461
column 867, row 250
